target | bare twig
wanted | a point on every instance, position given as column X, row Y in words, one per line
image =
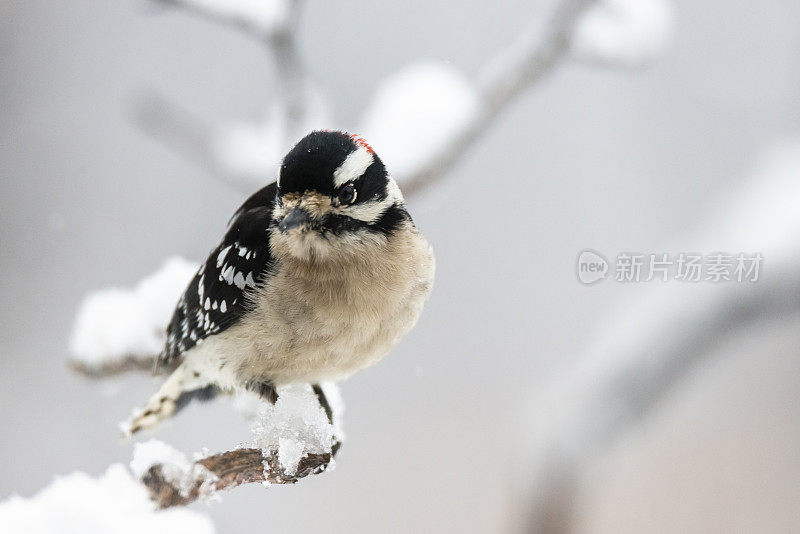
column 512, row 72
column 230, row 17
column 504, row 78
column 113, row 367
column 176, row 127
column 187, row 134
column 230, row 469
column 292, row 78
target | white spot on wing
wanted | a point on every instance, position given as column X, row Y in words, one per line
column 249, row 280
column 201, row 287
column 227, row 274
column 221, row 256
column 239, row 280
column 208, row 303
column 223, row 307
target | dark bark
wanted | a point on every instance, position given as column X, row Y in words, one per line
column 232, row 468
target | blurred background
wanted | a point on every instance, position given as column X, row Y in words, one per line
column 448, row 431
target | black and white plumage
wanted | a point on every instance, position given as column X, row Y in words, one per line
column 216, row 296
column 318, row 275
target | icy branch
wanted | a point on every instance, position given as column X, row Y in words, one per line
column 230, row 469
column 292, row 439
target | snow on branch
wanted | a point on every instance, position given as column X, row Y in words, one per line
column 626, row 33
column 118, row 330
column 228, row 470
column 511, row 72
column 264, row 19
column 421, row 120
column 244, row 152
column 618, row 32
column 114, row 503
column 291, row 440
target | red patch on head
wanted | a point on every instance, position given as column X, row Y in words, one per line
column 360, row 141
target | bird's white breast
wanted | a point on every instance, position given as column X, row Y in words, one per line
column 313, row 323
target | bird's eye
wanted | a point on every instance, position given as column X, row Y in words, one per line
column 347, row 195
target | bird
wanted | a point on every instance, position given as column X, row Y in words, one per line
column 319, row 275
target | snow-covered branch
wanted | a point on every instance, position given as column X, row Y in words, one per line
column 422, row 119
column 225, row 471
column 264, row 19
column 113, row 503
column 243, row 153
column 119, row 330
column 510, row 73
column 292, row 439
column 609, row 32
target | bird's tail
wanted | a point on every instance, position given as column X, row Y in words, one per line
column 183, row 385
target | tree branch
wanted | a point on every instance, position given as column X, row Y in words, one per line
column 240, row 19
column 177, row 128
column 513, row 71
column 188, row 135
column 505, row 77
column 292, row 78
column 229, row 470
column 113, row 367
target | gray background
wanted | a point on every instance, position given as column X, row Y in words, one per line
column 592, row 158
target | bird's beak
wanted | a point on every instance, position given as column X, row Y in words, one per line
column 297, row 217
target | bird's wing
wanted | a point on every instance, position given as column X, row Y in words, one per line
column 216, row 297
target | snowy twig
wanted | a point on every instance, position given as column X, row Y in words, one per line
column 508, row 75
column 187, row 134
column 230, row 469
column 120, row 329
column 611, row 33
column 113, row 367
column 292, row 439
column 165, row 120
column 112, row 503
column 505, row 77
column 293, row 83
column 263, row 21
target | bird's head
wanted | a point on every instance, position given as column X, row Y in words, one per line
column 335, row 197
